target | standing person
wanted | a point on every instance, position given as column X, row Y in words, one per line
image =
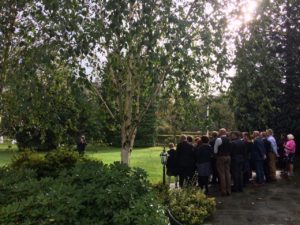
column 81, row 145
column 282, row 158
column 203, row 155
column 212, row 142
column 249, row 164
column 186, row 161
column 268, row 149
column 222, row 150
column 197, row 142
column 238, row 156
column 272, row 155
column 259, row 155
column 290, row 150
column 190, row 140
column 172, row 167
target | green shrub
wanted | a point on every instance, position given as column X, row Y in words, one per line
column 49, row 165
column 62, row 158
column 90, row 193
column 162, row 192
column 191, row 206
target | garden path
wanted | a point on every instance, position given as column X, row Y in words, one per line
column 276, row 203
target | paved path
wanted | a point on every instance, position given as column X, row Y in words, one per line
column 276, row 203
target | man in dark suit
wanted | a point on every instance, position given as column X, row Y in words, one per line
column 268, row 149
column 238, row 157
column 259, row 155
column 186, row 161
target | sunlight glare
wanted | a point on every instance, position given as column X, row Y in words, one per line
column 248, row 10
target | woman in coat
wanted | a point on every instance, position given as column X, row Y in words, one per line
column 204, row 153
column 172, row 166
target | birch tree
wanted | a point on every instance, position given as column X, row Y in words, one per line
column 133, row 48
column 148, row 45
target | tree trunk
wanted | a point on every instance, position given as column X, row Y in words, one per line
column 125, row 154
column 7, row 46
column 128, row 137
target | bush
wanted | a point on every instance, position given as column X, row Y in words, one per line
column 162, row 192
column 90, row 193
column 49, row 165
column 191, row 206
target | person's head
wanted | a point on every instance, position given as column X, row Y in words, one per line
column 235, row 135
column 263, row 134
column 199, row 142
column 214, row 134
column 171, row 145
column 269, row 132
column 256, row 134
column 246, row 136
column 290, row 137
column 222, row 132
column 183, row 138
column 204, row 139
column 189, row 139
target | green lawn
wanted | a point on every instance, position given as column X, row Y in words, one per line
column 146, row 158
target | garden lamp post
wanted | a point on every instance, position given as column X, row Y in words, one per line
column 164, row 156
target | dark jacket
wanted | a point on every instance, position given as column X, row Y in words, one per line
column 172, row 159
column 172, row 167
column 185, row 154
column 238, row 148
column 249, row 147
column 224, row 148
column 81, row 146
column 259, row 150
column 203, row 153
column 267, row 145
column 212, row 142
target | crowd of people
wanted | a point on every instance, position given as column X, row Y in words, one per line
column 225, row 158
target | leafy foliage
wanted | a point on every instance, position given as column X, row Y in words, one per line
column 150, row 45
column 147, row 132
column 89, row 193
column 190, row 114
column 191, row 206
column 133, row 48
column 49, row 165
column 44, row 99
column 264, row 92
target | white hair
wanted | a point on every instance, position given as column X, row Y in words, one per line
column 290, row 137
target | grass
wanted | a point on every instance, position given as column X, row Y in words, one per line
column 146, row 158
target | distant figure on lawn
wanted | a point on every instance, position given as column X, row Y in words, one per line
column 172, row 167
column 81, row 145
